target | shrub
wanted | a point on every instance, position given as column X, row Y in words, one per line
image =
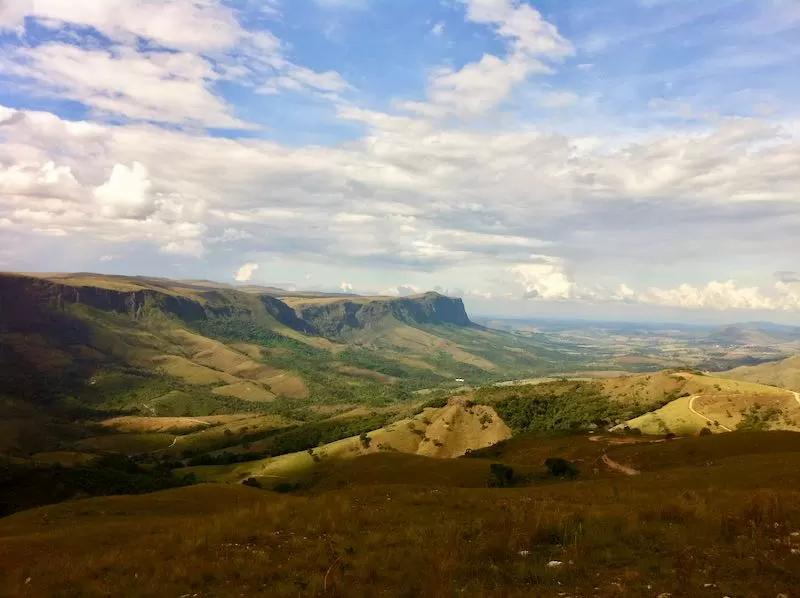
column 670, row 436
column 705, row 431
column 365, row 440
column 252, row 482
column 561, row 468
column 500, row 476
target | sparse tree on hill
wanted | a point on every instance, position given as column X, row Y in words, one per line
column 365, row 440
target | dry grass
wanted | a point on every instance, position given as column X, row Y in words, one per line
column 785, row 373
column 127, row 444
column 180, row 425
column 442, row 433
column 65, row 458
column 400, row 526
column 246, row 391
column 182, row 368
column 718, row 399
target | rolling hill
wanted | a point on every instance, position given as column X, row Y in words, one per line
column 445, row 432
column 192, row 348
column 784, row 373
column 713, row 402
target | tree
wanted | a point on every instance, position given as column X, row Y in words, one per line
column 500, row 476
column 561, row 468
column 705, row 431
column 252, row 482
column 365, row 440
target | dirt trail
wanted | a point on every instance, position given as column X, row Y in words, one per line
column 796, row 396
column 692, row 409
column 197, row 421
column 619, row 466
column 174, row 442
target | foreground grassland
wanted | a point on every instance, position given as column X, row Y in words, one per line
column 709, row 516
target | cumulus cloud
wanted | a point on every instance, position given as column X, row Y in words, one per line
column 191, row 46
column 545, row 278
column 346, row 287
column 477, row 87
column 402, row 290
column 127, row 193
column 245, row 273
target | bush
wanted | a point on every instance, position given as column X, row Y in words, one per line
column 500, row 476
column 365, row 440
column 705, row 431
column 252, row 482
column 561, row 468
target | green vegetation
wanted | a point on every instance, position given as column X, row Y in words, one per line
column 25, row 485
column 551, row 406
column 561, row 468
column 500, row 476
column 273, row 443
column 759, row 418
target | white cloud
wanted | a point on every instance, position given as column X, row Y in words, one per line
column 402, row 290
column 438, row 29
column 544, row 279
column 188, row 247
column 245, row 273
column 721, row 295
column 346, row 287
column 180, row 24
column 127, row 193
column 478, row 87
column 158, row 86
column 29, row 179
column 560, row 99
column 192, row 46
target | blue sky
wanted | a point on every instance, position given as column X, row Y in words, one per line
column 630, row 157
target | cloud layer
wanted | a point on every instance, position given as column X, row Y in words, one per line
column 469, row 183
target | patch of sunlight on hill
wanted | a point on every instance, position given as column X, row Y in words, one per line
column 784, row 373
column 443, row 433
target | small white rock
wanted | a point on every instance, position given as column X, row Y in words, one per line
column 524, row 552
column 554, row 564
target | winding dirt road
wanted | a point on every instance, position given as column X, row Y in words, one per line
column 692, row 409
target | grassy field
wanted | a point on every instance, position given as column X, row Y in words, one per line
column 710, row 516
column 784, row 373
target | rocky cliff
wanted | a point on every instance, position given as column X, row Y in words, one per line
column 334, row 318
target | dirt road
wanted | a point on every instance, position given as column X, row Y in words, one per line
column 796, row 396
column 692, row 409
column 619, row 466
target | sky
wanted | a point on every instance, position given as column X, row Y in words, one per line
column 627, row 159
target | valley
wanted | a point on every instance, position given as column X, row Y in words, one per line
column 287, row 443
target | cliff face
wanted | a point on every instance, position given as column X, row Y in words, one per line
column 335, row 318
column 29, row 304
column 26, row 301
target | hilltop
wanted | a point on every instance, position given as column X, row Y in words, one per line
column 784, row 373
